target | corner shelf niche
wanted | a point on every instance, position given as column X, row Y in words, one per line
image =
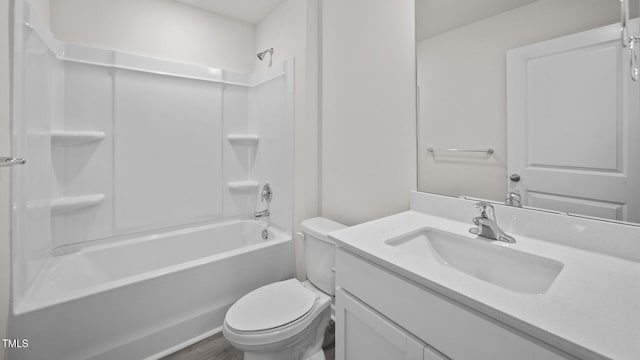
column 243, row 186
column 243, row 139
column 74, row 203
column 73, row 138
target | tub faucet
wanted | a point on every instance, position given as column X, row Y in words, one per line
column 487, row 225
column 266, row 194
column 260, row 214
column 513, row 199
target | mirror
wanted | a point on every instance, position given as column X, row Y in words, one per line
column 531, row 101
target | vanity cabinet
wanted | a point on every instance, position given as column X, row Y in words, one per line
column 362, row 333
column 382, row 315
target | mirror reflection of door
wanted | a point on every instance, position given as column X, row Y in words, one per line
column 572, row 125
column 574, row 137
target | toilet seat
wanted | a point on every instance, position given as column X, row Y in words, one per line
column 274, row 331
column 270, row 307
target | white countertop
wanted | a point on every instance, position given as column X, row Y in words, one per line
column 592, row 309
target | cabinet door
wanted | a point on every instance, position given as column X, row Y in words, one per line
column 363, row 334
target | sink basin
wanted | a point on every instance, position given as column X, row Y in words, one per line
column 485, row 260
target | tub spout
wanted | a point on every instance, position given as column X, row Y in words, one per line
column 260, row 214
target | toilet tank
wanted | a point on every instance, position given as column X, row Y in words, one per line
column 319, row 252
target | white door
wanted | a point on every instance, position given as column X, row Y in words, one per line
column 572, row 125
column 363, row 334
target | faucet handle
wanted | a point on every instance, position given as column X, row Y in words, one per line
column 266, row 194
column 486, row 209
column 513, row 198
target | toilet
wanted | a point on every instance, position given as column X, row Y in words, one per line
column 286, row 320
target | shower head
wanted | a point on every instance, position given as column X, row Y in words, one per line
column 262, row 54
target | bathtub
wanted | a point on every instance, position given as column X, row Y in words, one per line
column 146, row 297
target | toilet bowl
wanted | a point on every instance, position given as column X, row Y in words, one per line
column 286, row 320
column 280, row 321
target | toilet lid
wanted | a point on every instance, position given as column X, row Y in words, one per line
column 271, row 306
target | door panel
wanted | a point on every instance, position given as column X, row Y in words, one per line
column 601, row 209
column 564, row 105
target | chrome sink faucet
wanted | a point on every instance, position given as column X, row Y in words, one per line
column 513, row 199
column 487, row 225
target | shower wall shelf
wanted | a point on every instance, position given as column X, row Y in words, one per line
column 73, row 138
column 73, row 203
column 243, row 139
column 243, row 186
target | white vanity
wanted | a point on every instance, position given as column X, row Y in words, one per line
column 418, row 285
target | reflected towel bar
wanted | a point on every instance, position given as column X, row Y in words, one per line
column 488, row 151
column 9, row 161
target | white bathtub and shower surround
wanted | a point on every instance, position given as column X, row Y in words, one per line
column 109, row 137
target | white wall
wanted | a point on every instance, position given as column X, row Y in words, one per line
column 159, row 28
column 462, row 80
column 43, row 9
column 4, row 173
column 291, row 29
column 368, row 108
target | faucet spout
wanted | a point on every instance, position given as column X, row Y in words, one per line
column 487, row 225
column 261, row 214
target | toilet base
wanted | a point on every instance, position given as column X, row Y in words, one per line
column 318, row 356
column 304, row 346
column 282, row 355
